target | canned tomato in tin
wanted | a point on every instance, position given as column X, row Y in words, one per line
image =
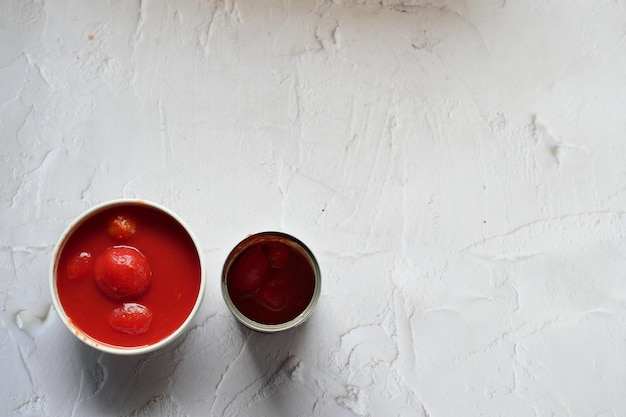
column 271, row 281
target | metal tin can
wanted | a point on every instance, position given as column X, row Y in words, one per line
column 262, row 240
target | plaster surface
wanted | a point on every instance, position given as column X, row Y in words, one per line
column 457, row 167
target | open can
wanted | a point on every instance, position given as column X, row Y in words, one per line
column 271, row 282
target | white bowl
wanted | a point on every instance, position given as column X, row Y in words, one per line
column 80, row 334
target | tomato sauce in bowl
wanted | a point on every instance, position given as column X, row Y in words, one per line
column 127, row 277
column 271, row 281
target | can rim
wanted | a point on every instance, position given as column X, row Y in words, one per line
column 300, row 318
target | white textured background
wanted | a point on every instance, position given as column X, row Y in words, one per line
column 458, row 167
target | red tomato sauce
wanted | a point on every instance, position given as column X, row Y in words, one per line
column 270, row 282
column 174, row 286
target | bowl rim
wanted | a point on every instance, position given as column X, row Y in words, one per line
column 60, row 245
column 262, row 327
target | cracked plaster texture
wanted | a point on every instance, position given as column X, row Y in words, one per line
column 457, row 168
